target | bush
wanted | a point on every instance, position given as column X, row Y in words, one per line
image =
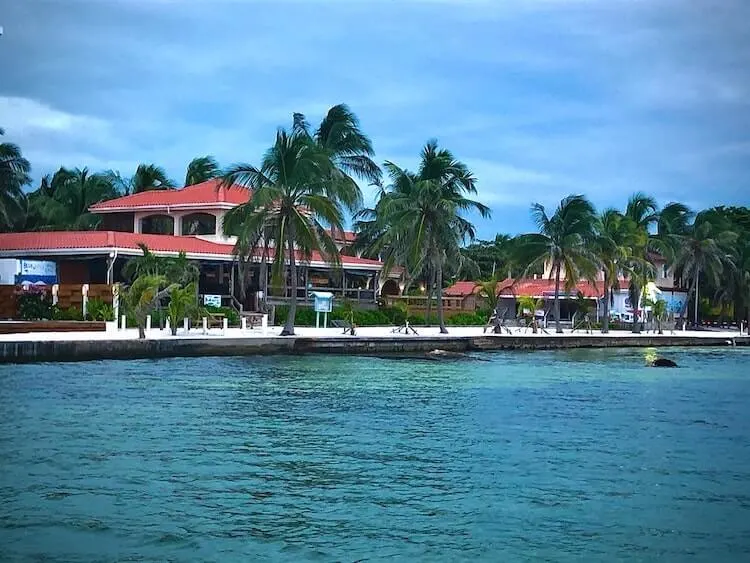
column 98, row 310
column 34, row 304
column 69, row 314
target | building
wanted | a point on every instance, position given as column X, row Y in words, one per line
column 187, row 220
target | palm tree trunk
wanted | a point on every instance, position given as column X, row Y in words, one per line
column 289, row 326
column 430, row 288
column 264, row 276
column 605, row 318
column 697, row 285
column 439, row 285
column 558, row 327
column 636, row 328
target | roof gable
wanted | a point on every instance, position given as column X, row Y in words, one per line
column 200, row 196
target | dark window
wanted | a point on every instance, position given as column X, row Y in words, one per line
column 199, row 224
column 157, row 225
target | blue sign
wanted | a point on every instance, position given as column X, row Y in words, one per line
column 36, row 272
column 323, row 301
column 212, row 300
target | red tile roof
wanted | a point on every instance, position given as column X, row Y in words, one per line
column 546, row 288
column 464, row 288
column 57, row 242
column 203, row 194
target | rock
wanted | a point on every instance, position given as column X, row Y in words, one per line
column 663, row 363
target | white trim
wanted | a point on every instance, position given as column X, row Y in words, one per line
column 221, row 205
column 126, row 251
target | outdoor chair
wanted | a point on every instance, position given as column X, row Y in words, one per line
column 346, row 325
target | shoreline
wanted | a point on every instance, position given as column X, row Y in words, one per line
column 380, row 341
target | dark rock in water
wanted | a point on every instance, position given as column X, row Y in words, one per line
column 446, row 355
column 663, row 363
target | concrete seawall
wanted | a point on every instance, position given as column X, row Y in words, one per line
column 79, row 350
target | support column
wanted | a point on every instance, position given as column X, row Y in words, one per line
column 177, row 222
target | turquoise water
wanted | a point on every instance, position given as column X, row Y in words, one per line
column 559, row 456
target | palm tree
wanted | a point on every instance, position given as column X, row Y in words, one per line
column 183, row 302
column 63, row 202
column 149, row 264
column 644, row 212
column 659, row 312
column 527, row 308
column 705, row 250
column 616, row 242
column 297, row 194
column 201, row 169
column 144, row 295
column 422, row 214
column 563, row 244
column 489, row 291
column 341, row 137
column 147, row 177
column 14, row 174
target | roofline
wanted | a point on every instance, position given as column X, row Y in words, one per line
column 163, row 207
column 127, row 251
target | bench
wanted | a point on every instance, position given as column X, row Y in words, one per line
column 346, row 325
column 215, row 320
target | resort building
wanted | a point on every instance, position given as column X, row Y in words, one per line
column 186, row 220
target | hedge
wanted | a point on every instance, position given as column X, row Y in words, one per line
column 384, row 316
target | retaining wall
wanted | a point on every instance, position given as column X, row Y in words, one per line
column 25, row 351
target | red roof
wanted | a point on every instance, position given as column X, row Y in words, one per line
column 464, row 288
column 546, row 288
column 203, row 195
column 56, row 241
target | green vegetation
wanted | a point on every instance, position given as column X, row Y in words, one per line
column 302, row 188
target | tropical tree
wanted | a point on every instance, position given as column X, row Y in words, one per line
column 297, row 196
column 563, row 243
column 643, row 211
column 420, row 219
column 183, row 302
column 706, row 250
column 340, row 136
column 495, row 259
column 617, row 243
column 527, row 308
column 62, row 202
column 658, row 311
column 14, row 175
column 489, row 290
column 147, row 177
column 144, row 295
column 201, row 169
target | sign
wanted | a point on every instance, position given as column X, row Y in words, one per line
column 212, row 300
column 323, row 301
column 37, row 272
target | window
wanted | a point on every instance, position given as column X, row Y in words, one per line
column 199, row 224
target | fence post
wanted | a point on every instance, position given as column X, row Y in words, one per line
column 55, row 291
column 167, row 325
column 224, row 326
column 116, row 300
column 205, row 325
column 264, row 324
column 148, row 323
column 85, row 303
column 244, row 324
column 124, row 321
column 186, row 325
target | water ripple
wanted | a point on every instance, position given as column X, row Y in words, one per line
column 558, row 456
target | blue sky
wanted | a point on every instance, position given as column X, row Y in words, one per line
column 541, row 98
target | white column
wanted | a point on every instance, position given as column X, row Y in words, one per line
column 244, row 323
column 148, row 323
column 85, row 294
column 205, row 325
column 186, row 325
column 225, row 326
column 177, row 220
column 167, row 326
column 124, row 321
column 264, row 324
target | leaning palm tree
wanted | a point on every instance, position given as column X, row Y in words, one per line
column 489, row 290
column 563, row 243
column 423, row 214
column 144, row 295
column 705, row 250
column 527, row 308
column 201, row 169
column 14, row 175
column 297, row 192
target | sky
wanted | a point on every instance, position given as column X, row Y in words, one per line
column 541, row 98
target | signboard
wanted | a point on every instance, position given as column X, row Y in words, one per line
column 36, row 272
column 323, row 301
column 212, row 300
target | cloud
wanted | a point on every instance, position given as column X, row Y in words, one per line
column 540, row 97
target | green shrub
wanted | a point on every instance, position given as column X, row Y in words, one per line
column 231, row 315
column 98, row 310
column 68, row 314
column 34, row 305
